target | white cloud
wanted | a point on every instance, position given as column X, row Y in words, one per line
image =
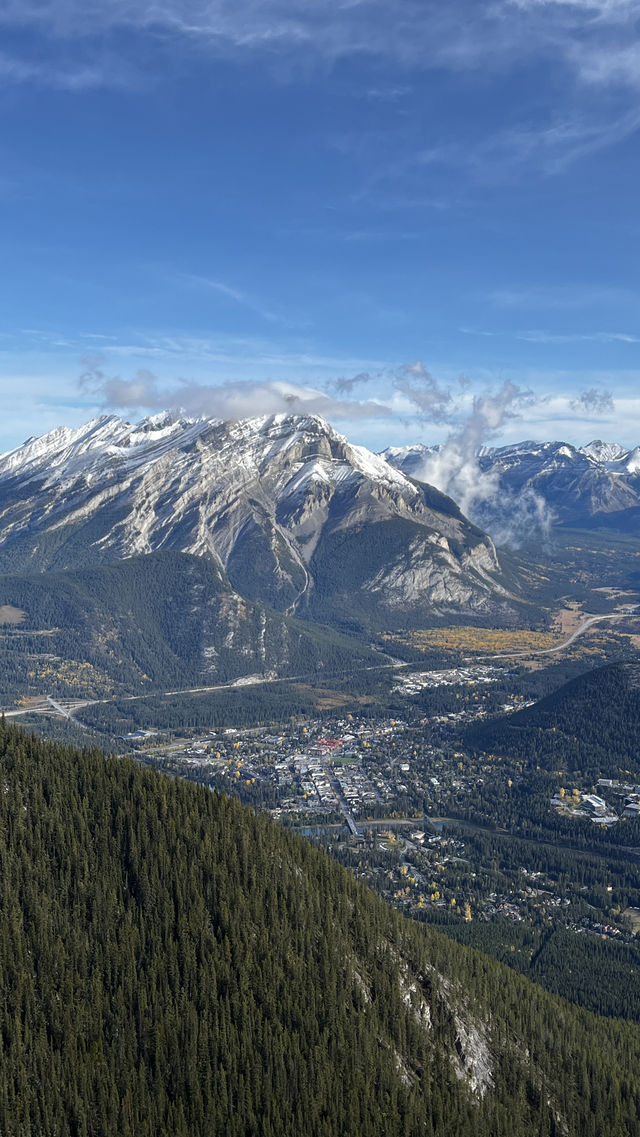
column 463, row 33
column 455, row 467
column 231, row 293
column 396, row 405
column 564, row 416
column 231, row 400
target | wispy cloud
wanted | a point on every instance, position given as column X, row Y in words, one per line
column 550, row 147
column 576, row 337
column 568, row 296
column 237, row 353
column 594, row 401
column 592, row 47
column 389, row 94
column 608, row 65
column 609, row 9
column 539, row 335
column 463, row 33
column 430, row 399
column 244, row 299
column 71, row 75
column 383, row 235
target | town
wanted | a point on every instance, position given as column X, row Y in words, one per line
column 400, row 802
column 622, row 800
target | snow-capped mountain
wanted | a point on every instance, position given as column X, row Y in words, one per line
column 628, row 462
column 603, row 452
column 594, row 484
column 289, row 511
column 578, row 485
column 409, row 459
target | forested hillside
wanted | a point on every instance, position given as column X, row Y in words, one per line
column 167, row 619
column 591, row 724
column 171, row 963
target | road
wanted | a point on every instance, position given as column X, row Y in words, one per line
column 65, row 712
column 435, row 824
column 584, row 626
column 64, row 706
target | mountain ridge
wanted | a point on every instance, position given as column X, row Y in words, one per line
column 577, row 486
column 591, row 722
column 151, row 622
column 265, row 498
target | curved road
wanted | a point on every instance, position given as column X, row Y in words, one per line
column 584, row 626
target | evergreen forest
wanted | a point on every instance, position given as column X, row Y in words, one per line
column 172, row 963
column 591, row 724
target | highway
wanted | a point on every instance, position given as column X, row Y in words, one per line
column 66, row 707
column 584, row 627
column 63, row 706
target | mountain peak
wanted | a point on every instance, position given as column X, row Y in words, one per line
column 280, row 502
column 603, row 451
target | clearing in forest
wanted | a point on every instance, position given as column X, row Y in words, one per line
column 11, row 615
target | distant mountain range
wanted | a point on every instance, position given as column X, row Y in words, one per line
column 594, row 485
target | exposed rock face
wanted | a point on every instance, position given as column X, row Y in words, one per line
column 472, row 1058
column 432, row 569
column 470, row 1054
column 269, row 499
column 576, row 484
column 594, row 484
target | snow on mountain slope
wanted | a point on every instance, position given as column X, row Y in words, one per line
column 409, row 459
column 603, row 452
column 575, row 486
column 65, row 453
column 629, row 461
column 261, row 496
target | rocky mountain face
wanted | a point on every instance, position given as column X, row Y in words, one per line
column 578, row 485
column 291, row 514
column 598, row 484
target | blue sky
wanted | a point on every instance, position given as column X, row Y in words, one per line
column 274, row 204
